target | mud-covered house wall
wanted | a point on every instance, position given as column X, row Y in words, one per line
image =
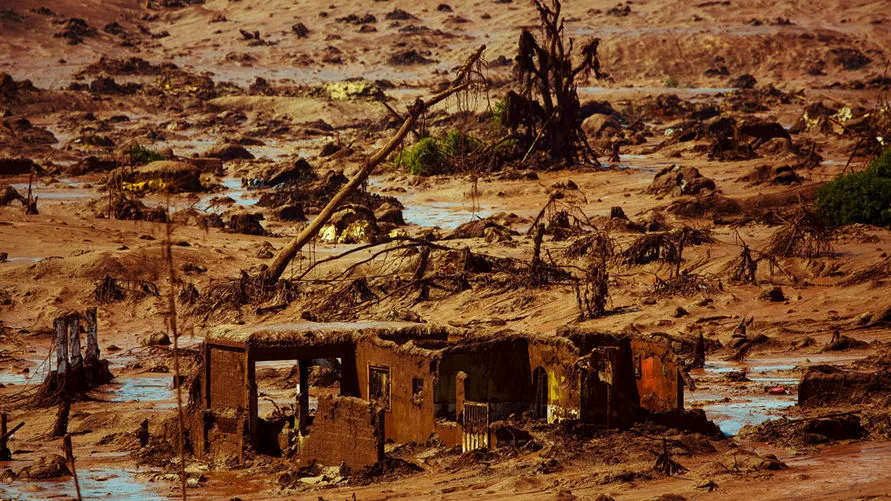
column 557, row 358
column 658, row 381
column 498, row 372
column 407, row 375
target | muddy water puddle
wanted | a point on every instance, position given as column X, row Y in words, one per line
column 732, row 405
column 116, row 483
column 58, row 191
column 14, row 373
column 155, row 389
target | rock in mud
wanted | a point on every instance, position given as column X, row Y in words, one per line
column 75, row 30
column 18, row 166
column 92, row 164
column 598, row 126
column 389, row 213
column 157, row 339
column 247, row 224
column 676, row 181
column 297, row 172
column 848, row 59
column 209, row 221
column 773, row 294
column 227, row 152
column 165, row 176
column 745, row 81
column 353, row 224
column 45, row 467
column 108, row 85
column 292, row 212
column 409, row 57
column 300, row 30
column 354, row 88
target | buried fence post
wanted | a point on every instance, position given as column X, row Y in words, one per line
column 74, row 357
column 60, row 427
column 69, row 455
column 92, row 353
column 5, row 454
column 61, row 327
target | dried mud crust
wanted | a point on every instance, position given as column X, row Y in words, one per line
column 732, row 165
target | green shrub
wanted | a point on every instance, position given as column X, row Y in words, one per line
column 423, row 158
column 457, row 143
column 141, row 155
column 498, row 111
column 672, row 83
column 860, row 197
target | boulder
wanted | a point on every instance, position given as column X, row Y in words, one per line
column 165, row 176
column 157, row 339
column 599, row 126
column 45, row 467
column 676, row 180
column 18, row 166
column 299, row 171
column 247, row 224
column 228, row 152
column 352, row 224
column 292, row 212
column 744, row 81
column 773, row 294
column 389, row 213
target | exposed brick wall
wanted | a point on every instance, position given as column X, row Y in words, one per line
column 659, row 386
column 227, row 369
column 345, row 429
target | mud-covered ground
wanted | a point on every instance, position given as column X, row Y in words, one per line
column 251, row 83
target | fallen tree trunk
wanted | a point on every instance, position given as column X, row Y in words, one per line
column 461, row 82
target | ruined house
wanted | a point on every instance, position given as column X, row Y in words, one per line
column 420, row 383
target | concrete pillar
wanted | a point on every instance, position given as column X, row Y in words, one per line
column 303, row 397
column 74, row 356
column 61, row 326
column 460, row 380
column 92, row 343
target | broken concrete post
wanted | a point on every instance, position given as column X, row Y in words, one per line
column 61, row 326
column 460, row 380
column 92, row 353
column 303, row 397
column 74, row 358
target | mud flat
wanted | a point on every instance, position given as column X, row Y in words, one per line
column 564, row 280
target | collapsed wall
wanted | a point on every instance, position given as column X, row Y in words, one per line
column 345, row 430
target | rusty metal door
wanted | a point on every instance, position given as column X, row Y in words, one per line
column 476, row 426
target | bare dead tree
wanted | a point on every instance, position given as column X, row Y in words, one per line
column 465, row 80
column 547, row 105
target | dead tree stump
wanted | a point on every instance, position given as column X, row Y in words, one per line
column 75, row 374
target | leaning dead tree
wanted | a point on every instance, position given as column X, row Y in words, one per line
column 466, row 79
column 547, row 105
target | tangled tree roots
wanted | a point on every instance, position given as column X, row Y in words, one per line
column 227, row 296
column 806, row 235
column 665, row 247
column 110, row 290
column 878, row 271
column 593, row 291
column 685, row 284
